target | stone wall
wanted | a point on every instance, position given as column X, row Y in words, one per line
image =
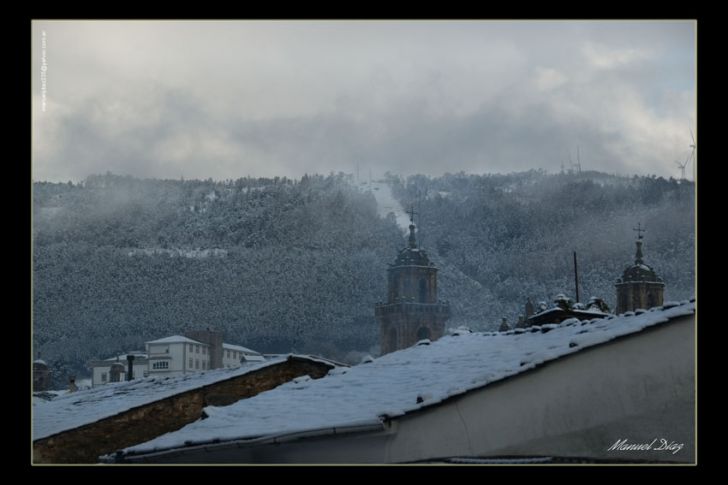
column 86, row 443
column 400, row 330
column 634, row 295
column 404, row 284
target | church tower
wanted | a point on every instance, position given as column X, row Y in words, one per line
column 639, row 286
column 412, row 312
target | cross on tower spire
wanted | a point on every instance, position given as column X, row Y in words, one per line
column 412, row 213
column 638, row 254
column 412, row 240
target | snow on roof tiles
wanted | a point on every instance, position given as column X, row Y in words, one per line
column 76, row 409
column 393, row 384
column 174, row 339
column 238, row 347
column 137, row 355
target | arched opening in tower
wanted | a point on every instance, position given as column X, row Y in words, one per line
column 423, row 290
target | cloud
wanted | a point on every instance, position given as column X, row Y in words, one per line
column 604, row 57
column 548, row 79
column 225, row 100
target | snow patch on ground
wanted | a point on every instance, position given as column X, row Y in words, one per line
column 386, row 203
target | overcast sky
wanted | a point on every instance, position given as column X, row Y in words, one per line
column 228, row 99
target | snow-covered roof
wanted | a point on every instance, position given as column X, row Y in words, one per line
column 404, row 381
column 174, row 339
column 40, row 361
column 45, row 396
column 253, row 358
column 583, row 313
column 240, row 348
column 137, row 355
column 76, row 409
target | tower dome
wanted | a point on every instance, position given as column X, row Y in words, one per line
column 412, row 255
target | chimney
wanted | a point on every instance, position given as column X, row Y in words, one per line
column 213, row 339
column 130, row 372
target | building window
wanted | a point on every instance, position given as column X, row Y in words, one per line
column 190, row 366
column 163, row 364
column 204, row 350
column 190, row 347
column 204, row 365
column 197, row 349
column 423, row 291
column 423, row 333
column 197, row 363
column 103, row 377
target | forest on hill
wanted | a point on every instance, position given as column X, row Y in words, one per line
column 284, row 265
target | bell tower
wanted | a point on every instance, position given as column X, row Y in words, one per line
column 412, row 311
column 639, row 286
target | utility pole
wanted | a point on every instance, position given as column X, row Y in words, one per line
column 576, row 278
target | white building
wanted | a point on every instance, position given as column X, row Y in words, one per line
column 234, row 355
column 170, row 356
column 177, row 355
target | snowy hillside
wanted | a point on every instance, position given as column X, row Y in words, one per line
column 286, row 265
column 386, row 203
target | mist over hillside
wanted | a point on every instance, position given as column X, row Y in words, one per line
column 297, row 265
column 515, row 234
